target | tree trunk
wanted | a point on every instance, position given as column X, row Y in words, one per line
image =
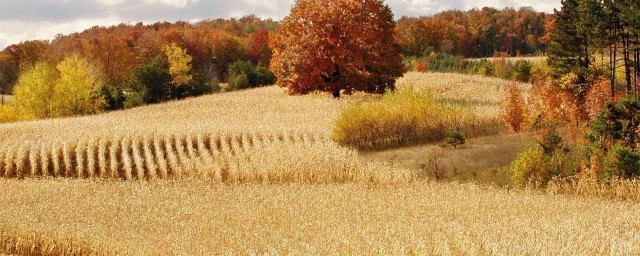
column 336, row 93
column 612, row 56
column 627, row 62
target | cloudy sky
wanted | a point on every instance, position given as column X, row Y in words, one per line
column 42, row 19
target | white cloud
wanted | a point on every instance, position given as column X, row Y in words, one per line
column 174, row 3
column 17, row 31
column 43, row 19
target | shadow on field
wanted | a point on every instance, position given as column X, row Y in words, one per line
column 484, row 160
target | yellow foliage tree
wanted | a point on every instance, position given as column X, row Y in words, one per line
column 34, row 93
column 42, row 92
column 76, row 89
column 179, row 64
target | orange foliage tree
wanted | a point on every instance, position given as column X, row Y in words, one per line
column 515, row 114
column 598, row 96
column 337, row 45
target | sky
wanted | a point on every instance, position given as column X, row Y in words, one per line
column 42, row 19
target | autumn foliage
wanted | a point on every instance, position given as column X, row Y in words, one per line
column 334, row 46
column 515, row 114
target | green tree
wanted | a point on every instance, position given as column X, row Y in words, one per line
column 35, row 91
column 622, row 162
column 618, row 123
column 568, row 51
column 255, row 75
column 152, row 80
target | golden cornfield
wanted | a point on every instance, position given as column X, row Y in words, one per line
column 256, row 172
column 195, row 218
column 261, row 135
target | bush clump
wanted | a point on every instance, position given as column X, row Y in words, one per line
column 545, row 160
column 454, row 139
column 244, row 75
column 522, row 71
column 622, row 162
column 404, row 118
column 528, row 165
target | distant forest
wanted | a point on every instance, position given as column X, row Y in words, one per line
column 216, row 44
column 477, row 32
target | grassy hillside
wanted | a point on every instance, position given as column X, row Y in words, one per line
column 257, row 172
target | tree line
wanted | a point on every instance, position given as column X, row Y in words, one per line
column 477, row 32
column 142, row 64
column 591, row 92
column 598, row 38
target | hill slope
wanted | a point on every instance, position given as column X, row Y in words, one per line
column 257, row 138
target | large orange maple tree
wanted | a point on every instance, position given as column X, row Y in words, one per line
column 337, row 46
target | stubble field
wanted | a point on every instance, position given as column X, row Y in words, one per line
column 257, row 172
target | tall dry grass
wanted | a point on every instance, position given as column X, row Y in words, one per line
column 617, row 189
column 21, row 242
column 484, row 94
column 203, row 218
column 407, row 117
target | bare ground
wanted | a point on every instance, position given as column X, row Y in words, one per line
column 483, row 159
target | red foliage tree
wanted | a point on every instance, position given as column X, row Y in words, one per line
column 260, row 53
column 335, row 45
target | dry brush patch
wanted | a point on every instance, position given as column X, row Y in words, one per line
column 195, row 217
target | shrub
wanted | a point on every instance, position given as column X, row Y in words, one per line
column 529, row 165
column 243, row 75
column 134, row 99
column 622, row 162
column 618, row 122
column 114, row 97
column 240, row 81
column 522, row 71
column 446, row 63
column 264, row 76
column 480, row 67
column 502, row 68
column 550, row 141
column 200, row 85
column 454, row 139
column 9, row 114
column 403, row 118
column 420, row 66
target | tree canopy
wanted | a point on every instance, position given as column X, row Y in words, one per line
column 335, row 46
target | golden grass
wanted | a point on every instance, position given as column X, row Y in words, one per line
column 191, row 217
column 407, row 117
column 485, row 94
column 513, row 60
column 626, row 190
column 275, row 190
column 19, row 242
column 230, row 137
column 258, row 135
